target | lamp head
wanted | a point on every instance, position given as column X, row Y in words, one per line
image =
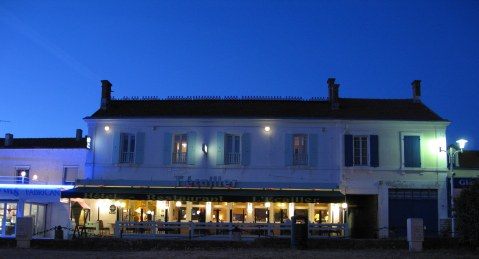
column 461, row 143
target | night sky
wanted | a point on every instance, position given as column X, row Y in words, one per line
column 53, row 55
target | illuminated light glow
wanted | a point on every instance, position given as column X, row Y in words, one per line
column 250, row 207
column 37, row 186
column 267, row 204
column 178, row 204
column 205, row 148
column 117, row 203
column 208, row 207
column 107, row 128
column 23, row 173
column 88, row 142
column 267, row 128
column 344, row 205
column 35, row 177
column 461, row 143
column 291, row 210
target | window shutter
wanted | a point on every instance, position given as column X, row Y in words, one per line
column 246, row 149
column 167, row 149
column 348, row 150
column 116, row 148
column 288, row 149
column 190, row 150
column 140, row 147
column 374, row 145
column 412, row 151
column 313, row 150
column 220, row 148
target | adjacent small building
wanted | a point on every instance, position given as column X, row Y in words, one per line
column 33, row 172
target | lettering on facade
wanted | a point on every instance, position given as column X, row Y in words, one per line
column 213, row 181
column 42, row 192
column 464, row 182
column 185, row 198
column 296, row 199
column 11, row 191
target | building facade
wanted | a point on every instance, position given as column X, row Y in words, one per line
column 33, row 172
column 372, row 163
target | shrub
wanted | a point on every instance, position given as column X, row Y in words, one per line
column 467, row 211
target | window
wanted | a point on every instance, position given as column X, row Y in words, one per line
column 127, row 148
column 23, row 176
column 361, row 150
column 180, row 148
column 412, row 151
column 300, row 151
column 232, row 149
column 70, row 174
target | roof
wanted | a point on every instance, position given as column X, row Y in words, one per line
column 19, row 143
column 349, row 108
column 469, row 159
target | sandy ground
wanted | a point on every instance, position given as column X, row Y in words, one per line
column 241, row 253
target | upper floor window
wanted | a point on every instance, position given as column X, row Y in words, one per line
column 70, row 174
column 361, row 150
column 23, row 176
column 412, row 151
column 300, row 151
column 180, row 148
column 232, row 149
column 127, row 148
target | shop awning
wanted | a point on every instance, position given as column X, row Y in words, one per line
column 205, row 195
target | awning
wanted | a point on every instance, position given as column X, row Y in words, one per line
column 205, row 195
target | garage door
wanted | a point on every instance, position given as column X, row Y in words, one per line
column 412, row 203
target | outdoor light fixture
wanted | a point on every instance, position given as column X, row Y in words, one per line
column 107, row 128
column 267, row 128
column 204, row 148
column 453, row 151
column 88, row 142
column 178, row 204
column 35, row 177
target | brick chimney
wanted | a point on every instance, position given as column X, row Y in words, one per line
column 79, row 135
column 8, row 140
column 416, row 91
column 333, row 93
column 105, row 94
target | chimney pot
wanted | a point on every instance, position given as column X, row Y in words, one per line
column 333, row 92
column 416, row 91
column 79, row 135
column 105, row 94
column 8, row 140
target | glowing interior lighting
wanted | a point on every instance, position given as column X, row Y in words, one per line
column 88, row 142
column 250, row 207
column 178, row 204
column 267, row 204
column 344, row 205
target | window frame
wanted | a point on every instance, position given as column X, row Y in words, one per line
column 232, row 151
column 300, row 149
column 127, row 152
column 179, row 152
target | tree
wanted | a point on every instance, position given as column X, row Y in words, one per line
column 467, row 211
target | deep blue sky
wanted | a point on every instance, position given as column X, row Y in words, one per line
column 53, row 55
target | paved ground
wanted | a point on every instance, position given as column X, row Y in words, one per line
column 11, row 253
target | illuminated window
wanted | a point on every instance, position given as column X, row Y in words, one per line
column 180, row 148
column 300, row 150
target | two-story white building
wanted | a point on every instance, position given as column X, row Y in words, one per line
column 264, row 159
column 33, row 172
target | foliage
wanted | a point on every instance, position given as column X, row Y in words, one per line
column 467, row 214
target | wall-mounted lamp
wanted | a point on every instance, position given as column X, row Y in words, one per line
column 88, row 142
column 267, row 128
column 205, row 149
column 107, row 128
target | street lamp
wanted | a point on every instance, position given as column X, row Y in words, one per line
column 453, row 151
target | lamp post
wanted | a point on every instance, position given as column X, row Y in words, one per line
column 452, row 155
